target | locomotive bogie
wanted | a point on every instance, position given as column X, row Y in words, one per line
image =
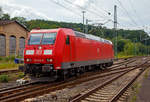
column 65, row 52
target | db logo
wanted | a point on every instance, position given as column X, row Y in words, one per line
column 39, row 52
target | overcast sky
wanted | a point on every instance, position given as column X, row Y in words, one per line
column 131, row 13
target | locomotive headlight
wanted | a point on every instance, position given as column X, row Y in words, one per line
column 28, row 60
column 47, row 52
column 29, row 52
column 49, row 60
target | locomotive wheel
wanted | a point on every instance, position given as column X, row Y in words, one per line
column 100, row 67
column 62, row 75
column 104, row 66
column 78, row 71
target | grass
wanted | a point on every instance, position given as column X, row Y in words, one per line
column 11, row 77
column 122, row 56
column 8, row 65
column 4, row 78
column 20, row 75
column 135, row 89
column 146, row 74
column 137, row 86
column 6, row 59
column 8, row 62
column 133, row 98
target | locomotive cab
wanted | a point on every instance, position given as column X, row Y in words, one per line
column 39, row 52
column 64, row 52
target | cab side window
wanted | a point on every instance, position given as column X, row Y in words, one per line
column 67, row 40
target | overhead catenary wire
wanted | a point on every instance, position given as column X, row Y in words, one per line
column 90, row 11
column 110, row 14
column 134, row 10
column 77, row 13
column 133, row 21
column 61, row 5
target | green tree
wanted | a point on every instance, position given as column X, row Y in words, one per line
column 5, row 17
column 126, row 38
column 120, row 45
column 21, row 20
column 1, row 12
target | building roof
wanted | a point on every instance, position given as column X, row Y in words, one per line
column 5, row 22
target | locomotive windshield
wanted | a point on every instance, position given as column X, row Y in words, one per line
column 47, row 38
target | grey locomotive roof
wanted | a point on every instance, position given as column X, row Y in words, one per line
column 92, row 37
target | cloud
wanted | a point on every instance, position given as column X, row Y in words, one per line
column 46, row 9
column 8, row 6
column 83, row 3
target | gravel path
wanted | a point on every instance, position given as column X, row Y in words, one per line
column 7, row 85
column 67, row 93
column 144, row 93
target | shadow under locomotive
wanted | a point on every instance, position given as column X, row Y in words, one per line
column 62, row 53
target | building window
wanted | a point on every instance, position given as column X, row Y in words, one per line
column 12, row 45
column 2, row 45
column 21, row 45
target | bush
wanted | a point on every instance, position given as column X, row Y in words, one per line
column 6, row 59
column 20, row 75
column 4, row 78
column 12, row 58
column 8, row 65
column 1, row 58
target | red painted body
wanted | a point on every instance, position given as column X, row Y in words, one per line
column 79, row 50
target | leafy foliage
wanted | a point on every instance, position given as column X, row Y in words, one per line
column 22, row 20
column 129, row 43
column 20, row 75
column 4, row 78
column 1, row 12
column 5, row 17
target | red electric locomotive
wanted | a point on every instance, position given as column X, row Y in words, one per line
column 63, row 52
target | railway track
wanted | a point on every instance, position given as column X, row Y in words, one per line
column 20, row 93
column 125, row 63
column 8, row 71
column 111, row 90
column 16, row 70
column 27, row 91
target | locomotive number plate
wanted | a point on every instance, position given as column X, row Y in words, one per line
column 38, row 52
column 38, row 60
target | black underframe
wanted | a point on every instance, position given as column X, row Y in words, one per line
column 67, row 65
